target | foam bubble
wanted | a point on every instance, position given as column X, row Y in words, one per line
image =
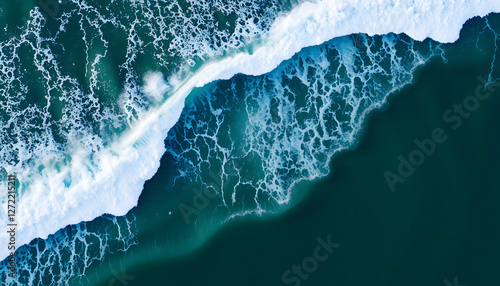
column 155, row 86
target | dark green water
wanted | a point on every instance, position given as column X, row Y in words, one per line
column 441, row 224
column 227, row 206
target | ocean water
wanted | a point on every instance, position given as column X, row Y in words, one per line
column 139, row 129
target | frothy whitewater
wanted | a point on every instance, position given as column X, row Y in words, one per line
column 96, row 175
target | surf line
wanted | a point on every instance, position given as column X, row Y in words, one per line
column 11, row 225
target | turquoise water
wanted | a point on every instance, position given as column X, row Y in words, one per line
column 438, row 226
column 247, row 186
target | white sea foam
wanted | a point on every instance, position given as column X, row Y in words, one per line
column 311, row 24
column 155, row 86
column 81, row 189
